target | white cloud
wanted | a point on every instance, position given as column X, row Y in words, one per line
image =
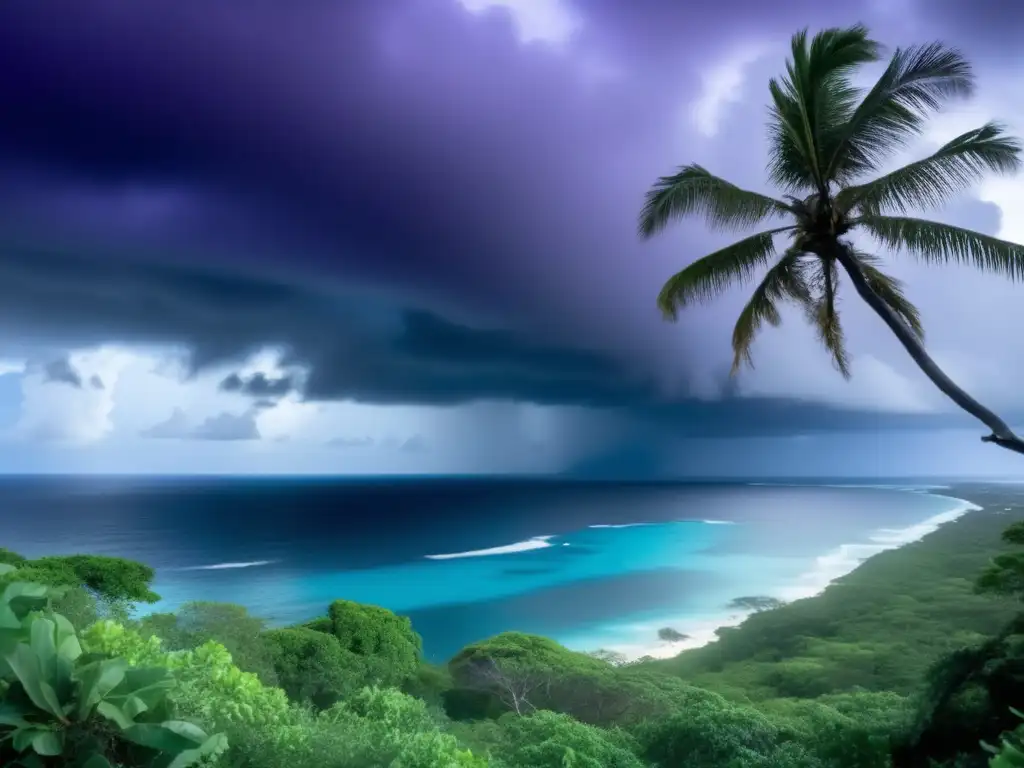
column 722, row 85
column 59, row 412
column 549, row 21
column 150, row 415
column 11, row 366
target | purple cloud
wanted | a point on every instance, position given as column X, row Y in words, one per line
column 348, row 166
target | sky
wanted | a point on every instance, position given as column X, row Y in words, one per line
column 358, row 237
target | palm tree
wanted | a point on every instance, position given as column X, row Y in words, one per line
column 825, row 137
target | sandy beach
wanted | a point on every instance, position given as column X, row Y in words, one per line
column 700, row 629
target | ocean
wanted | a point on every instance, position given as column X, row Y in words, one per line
column 592, row 564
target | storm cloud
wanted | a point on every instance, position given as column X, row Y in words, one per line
column 418, row 206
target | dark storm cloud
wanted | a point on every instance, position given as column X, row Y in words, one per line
column 409, row 140
column 62, row 372
column 355, row 347
column 358, row 146
column 258, row 385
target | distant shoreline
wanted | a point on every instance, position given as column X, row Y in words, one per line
column 829, row 567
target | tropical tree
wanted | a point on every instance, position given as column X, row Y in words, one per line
column 827, row 136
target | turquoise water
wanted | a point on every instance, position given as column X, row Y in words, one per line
column 594, row 565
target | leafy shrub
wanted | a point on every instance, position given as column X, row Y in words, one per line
column 231, row 625
column 311, row 666
column 552, row 740
column 210, row 687
column 62, row 707
column 389, row 648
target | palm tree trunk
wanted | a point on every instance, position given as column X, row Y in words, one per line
column 1001, row 435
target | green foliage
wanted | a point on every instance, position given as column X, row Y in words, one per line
column 521, row 673
column 63, row 707
column 1005, row 574
column 7, row 557
column 197, row 623
column 376, row 728
column 386, row 642
column 311, row 666
column 551, row 740
column 1010, row 752
column 756, row 603
column 717, row 735
column 210, row 687
column 114, row 580
column 880, row 628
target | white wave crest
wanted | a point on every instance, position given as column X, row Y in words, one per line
column 229, row 566
column 537, row 542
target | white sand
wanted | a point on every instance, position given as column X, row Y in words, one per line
column 701, row 629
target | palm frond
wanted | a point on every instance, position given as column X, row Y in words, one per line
column 706, row 278
column 813, row 98
column 934, row 180
column 890, row 290
column 821, row 312
column 694, row 190
column 918, row 80
column 934, row 242
column 831, row 335
column 784, row 281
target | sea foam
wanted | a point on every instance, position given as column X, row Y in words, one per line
column 536, row 542
column 228, row 566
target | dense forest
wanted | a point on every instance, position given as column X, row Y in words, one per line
column 915, row 659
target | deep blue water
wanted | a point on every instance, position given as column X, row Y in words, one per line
column 286, row 547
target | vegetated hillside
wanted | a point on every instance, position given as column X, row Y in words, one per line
column 901, row 663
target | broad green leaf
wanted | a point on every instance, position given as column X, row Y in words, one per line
column 25, row 665
column 24, row 589
column 47, row 744
column 31, row 760
column 134, row 706
column 45, row 648
column 67, row 640
column 6, row 568
column 8, row 618
column 22, row 738
column 186, row 729
column 97, row 761
column 12, row 715
column 150, row 684
column 160, row 737
column 98, row 679
column 115, row 714
column 213, row 745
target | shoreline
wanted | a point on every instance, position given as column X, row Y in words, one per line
column 701, row 630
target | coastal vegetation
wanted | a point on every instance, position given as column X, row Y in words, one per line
column 916, row 659
column 829, row 143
